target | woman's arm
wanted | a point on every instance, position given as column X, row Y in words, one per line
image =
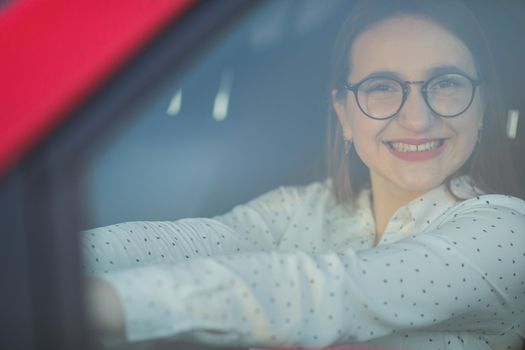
column 134, row 244
column 466, row 275
column 247, row 228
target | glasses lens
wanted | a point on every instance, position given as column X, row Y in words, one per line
column 449, row 94
column 380, row 98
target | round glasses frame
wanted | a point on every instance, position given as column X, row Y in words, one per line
column 406, row 91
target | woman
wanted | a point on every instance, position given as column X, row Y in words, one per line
column 404, row 248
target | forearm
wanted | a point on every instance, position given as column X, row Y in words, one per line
column 135, row 244
column 274, row 299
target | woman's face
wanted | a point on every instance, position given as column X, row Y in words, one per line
column 410, row 48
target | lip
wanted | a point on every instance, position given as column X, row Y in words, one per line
column 417, row 156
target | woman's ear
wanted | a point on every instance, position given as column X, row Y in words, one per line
column 342, row 114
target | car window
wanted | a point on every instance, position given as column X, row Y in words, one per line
column 245, row 116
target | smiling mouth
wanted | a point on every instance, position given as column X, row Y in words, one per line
column 423, row 147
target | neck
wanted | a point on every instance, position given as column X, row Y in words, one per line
column 386, row 200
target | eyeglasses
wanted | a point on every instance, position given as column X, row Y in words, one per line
column 447, row 95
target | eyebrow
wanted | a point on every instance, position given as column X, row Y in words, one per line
column 447, row 69
column 434, row 71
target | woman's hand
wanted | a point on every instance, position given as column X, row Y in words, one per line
column 104, row 310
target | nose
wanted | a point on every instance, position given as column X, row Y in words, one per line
column 415, row 115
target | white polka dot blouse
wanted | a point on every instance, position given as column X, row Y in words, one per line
column 294, row 268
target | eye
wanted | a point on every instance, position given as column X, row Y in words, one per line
column 448, row 84
column 380, row 87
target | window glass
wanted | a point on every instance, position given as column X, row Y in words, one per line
column 247, row 115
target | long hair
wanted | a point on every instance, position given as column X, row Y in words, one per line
column 490, row 165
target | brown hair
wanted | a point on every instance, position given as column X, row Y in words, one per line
column 490, row 165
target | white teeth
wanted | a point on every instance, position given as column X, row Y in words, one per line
column 405, row 147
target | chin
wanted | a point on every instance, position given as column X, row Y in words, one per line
column 420, row 184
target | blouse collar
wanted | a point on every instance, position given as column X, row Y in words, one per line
column 416, row 216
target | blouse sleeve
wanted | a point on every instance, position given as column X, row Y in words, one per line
column 247, row 228
column 467, row 274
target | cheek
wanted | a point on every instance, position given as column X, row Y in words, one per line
column 367, row 138
column 467, row 135
column 367, row 130
column 362, row 126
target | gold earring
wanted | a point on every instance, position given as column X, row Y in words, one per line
column 348, row 145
